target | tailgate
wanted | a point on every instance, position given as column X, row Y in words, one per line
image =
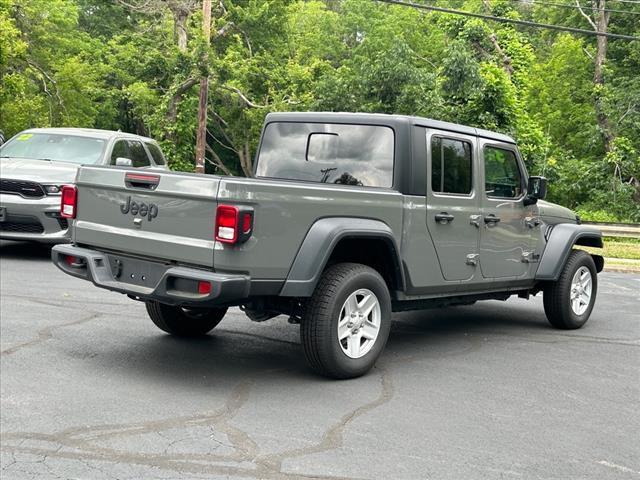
column 156, row 214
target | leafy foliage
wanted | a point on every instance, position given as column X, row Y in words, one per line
column 136, row 65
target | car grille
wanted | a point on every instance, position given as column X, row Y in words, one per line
column 21, row 187
column 21, row 224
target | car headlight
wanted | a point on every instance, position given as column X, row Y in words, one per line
column 52, row 189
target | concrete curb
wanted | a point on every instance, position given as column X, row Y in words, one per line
column 621, row 265
column 621, row 269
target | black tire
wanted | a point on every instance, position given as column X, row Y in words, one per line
column 184, row 322
column 319, row 325
column 557, row 295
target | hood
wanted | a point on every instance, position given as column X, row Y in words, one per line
column 40, row 171
column 548, row 209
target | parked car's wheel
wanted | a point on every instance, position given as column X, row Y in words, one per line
column 347, row 321
column 182, row 321
column 568, row 302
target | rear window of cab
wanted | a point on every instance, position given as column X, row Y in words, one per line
column 344, row 154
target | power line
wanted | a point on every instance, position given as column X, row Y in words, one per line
column 573, row 7
column 510, row 20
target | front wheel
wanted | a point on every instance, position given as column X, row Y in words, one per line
column 183, row 321
column 568, row 302
column 347, row 321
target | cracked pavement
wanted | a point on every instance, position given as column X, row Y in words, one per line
column 91, row 389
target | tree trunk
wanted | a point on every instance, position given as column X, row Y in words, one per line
column 507, row 63
column 245, row 160
column 602, row 23
column 636, row 184
column 180, row 29
column 506, row 59
column 172, row 108
column 201, row 138
column 217, row 161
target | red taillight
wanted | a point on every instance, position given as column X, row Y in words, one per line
column 204, row 288
column 233, row 224
column 74, row 262
column 247, row 221
column 227, row 220
column 69, row 201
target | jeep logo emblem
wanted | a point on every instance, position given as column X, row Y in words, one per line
column 139, row 208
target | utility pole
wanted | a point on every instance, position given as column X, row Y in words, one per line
column 201, row 138
column 600, row 24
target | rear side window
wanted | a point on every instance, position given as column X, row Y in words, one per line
column 328, row 153
column 451, row 168
column 156, row 153
column 502, row 173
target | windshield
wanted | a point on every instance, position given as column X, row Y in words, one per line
column 54, row 147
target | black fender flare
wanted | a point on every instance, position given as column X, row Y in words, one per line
column 318, row 245
column 559, row 244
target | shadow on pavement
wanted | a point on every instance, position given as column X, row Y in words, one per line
column 222, row 357
column 24, row 250
column 227, row 355
column 487, row 315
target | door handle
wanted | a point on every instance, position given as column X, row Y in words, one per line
column 141, row 180
column 444, row 218
column 475, row 220
column 491, row 220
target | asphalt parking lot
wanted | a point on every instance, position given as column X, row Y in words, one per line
column 91, row 389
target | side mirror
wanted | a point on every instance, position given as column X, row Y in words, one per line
column 123, row 162
column 536, row 190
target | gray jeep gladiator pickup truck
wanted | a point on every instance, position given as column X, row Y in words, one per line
column 349, row 217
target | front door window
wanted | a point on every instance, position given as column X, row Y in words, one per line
column 120, row 150
column 502, row 174
column 138, row 154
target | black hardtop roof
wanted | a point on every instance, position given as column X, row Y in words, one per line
column 384, row 119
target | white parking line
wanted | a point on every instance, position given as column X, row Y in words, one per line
column 617, row 467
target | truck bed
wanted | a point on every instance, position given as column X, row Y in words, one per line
column 182, row 227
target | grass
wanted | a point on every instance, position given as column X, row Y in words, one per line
column 622, row 239
column 616, row 247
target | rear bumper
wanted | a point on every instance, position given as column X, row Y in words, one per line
column 171, row 285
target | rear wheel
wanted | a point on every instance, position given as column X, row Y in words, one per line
column 568, row 302
column 183, row 321
column 347, row 321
